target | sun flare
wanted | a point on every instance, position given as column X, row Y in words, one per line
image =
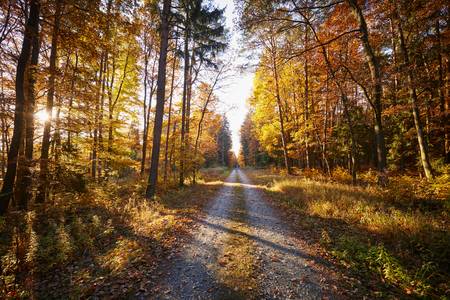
column 42, row 115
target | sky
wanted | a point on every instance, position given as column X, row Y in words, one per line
column 233, row 96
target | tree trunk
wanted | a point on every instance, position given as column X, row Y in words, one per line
column 188, row 109
column 43, row 175
column 442, row 100
column 169, row 113
column 344, row 100
column 24, row 175
column 160, row 97
column 111, row 106
column 147, row 111
column 184, row 104
column 280, row 112
column 172, row 149
column 424, row 157
column 69, row 112
column 146, row 123
column 306, row 115
column 10, row 176
column 4, row 127
column 199, row 126
column 375, row 75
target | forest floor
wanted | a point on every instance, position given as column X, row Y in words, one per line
column 240, row 235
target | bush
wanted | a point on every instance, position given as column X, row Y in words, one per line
column 71, row 180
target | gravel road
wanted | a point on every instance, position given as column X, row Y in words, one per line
column 284, row 271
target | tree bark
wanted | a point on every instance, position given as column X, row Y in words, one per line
column 10, row 176
column 160, row 97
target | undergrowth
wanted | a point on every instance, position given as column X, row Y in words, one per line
column 396, row 237
column 103, row 242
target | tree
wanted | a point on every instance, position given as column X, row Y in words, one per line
column 31, row 27
column 43, row 175
column 224, row 143
column 423, row 147
column 25, row 163
column 251, row 151
column 160, row 98
column 204, row 35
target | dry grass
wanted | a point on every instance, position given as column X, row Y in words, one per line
column 401, row 232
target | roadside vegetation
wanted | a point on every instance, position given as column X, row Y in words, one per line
column 106, row 241
column 396, row 238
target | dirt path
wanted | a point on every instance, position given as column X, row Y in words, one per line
column 240, row 217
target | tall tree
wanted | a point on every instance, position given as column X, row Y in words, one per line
column 24, row 175
column 377, row 88
column 423, row 147
column 160, row 98
column 31, row 27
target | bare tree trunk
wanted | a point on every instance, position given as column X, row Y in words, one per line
column 160, row 98
column 43, row 175
column 414, row 103
column 10, row 176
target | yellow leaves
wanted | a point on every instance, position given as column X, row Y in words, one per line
column 124, row 253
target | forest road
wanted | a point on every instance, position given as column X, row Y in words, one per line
column 280, row 269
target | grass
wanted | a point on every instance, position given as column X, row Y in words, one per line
column 107, row 241
column 396, row 238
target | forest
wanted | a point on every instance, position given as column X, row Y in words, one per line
column 118, row 175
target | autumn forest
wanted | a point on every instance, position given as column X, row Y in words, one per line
column 119, row 177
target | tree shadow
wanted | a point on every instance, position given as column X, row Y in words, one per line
column 86, row 271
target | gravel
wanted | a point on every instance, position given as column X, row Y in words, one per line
column 284, row 270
